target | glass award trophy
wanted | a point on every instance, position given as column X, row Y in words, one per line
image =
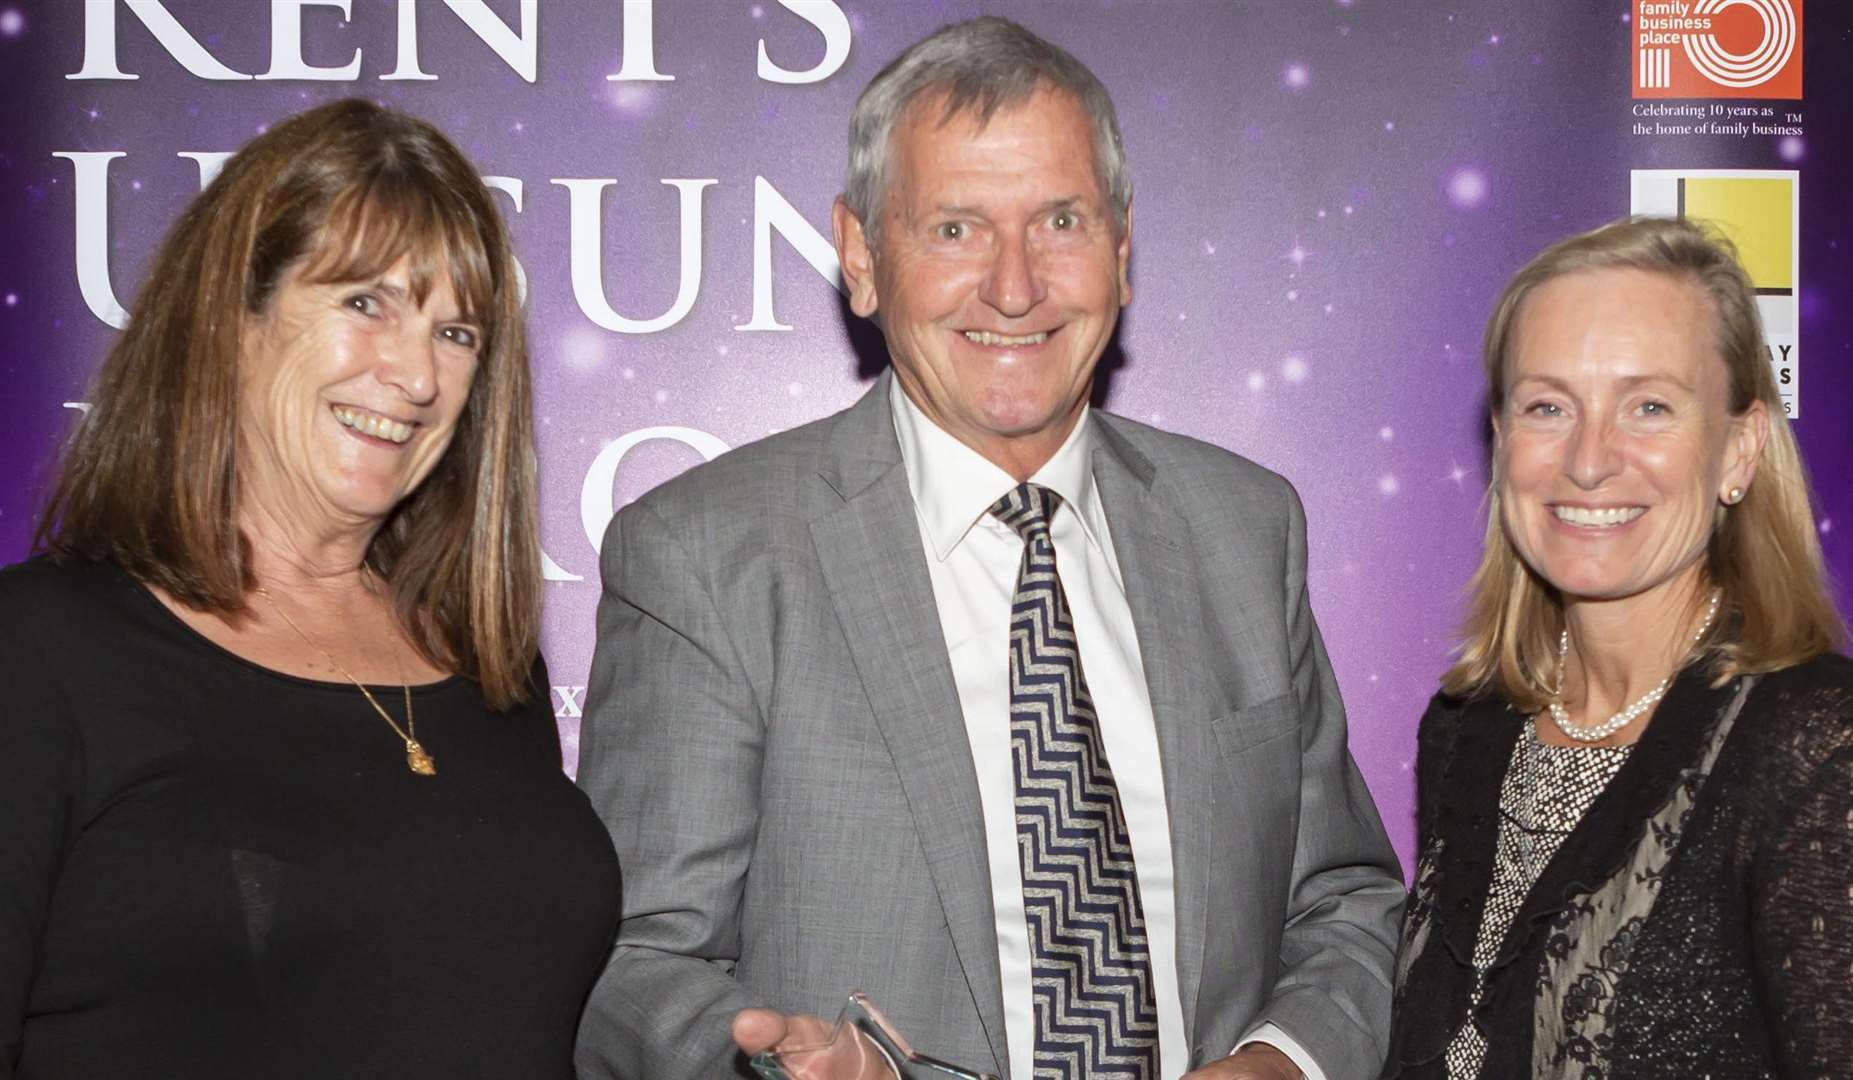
column 861, row 1045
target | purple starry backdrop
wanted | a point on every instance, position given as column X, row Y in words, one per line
column 1330, row 193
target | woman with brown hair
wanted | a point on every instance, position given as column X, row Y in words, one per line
column 1635, row 789
column 282, row 785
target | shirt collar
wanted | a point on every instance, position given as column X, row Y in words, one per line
column 953, row 485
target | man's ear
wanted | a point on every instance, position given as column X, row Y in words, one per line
column 1125, row 259
column 854, row 256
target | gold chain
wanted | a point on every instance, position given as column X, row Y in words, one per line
column 416, row 759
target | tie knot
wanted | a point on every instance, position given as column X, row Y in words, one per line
column 1027, row 508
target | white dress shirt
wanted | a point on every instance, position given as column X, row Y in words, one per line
column 972, row 560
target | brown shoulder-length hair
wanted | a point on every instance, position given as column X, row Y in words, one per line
column 1764, row 554
column 149, row 481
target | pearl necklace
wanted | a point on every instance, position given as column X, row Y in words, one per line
column 1597, row 732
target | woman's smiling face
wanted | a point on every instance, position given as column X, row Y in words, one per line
column 351, row 393
column 1615, row 444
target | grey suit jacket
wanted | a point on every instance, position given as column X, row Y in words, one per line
column 773, row 735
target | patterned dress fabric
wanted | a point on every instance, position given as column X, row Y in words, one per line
column 1696, row 922
column 1096, row 1013
column 1547, row 790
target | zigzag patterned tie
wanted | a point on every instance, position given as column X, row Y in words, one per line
column 1096, row 1015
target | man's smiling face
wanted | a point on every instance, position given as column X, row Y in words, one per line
column 999, row 274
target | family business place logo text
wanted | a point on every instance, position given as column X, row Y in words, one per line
column 1718, row 49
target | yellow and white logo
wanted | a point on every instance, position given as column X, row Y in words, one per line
column 1759, row 211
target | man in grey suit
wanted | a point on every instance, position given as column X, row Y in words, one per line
column 1009, row 712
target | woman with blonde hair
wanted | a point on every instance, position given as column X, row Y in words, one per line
column 1635, row 789
column 281, row 784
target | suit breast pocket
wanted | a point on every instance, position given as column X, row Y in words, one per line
column 1255, row 822
column 1255, row 724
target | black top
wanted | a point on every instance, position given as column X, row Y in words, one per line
column 212, row 869
column 1697, row 921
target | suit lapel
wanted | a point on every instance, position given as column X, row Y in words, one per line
column 868, row 545
column 1160, row 589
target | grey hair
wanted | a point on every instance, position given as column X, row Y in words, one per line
column 979, row 66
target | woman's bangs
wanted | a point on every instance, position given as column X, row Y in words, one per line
column 369, row 230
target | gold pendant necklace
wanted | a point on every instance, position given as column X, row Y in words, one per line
column 416, row 759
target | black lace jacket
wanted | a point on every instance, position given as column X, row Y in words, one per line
column 1697, row 922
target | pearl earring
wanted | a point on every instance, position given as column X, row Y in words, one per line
column 1734, row 496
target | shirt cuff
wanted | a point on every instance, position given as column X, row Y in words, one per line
column 1280, row 1040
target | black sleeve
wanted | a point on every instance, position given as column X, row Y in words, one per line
column 41, row 765
column 1802, row 898
column 540, row 706
column 1434, row 744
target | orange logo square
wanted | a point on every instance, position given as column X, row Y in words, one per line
column 1718, row 49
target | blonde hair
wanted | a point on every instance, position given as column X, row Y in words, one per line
column 149, row 480
column 1764, row 554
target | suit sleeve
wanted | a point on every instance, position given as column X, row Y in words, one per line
column 670, row 756
column 1338, row 947
column 41, row 763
